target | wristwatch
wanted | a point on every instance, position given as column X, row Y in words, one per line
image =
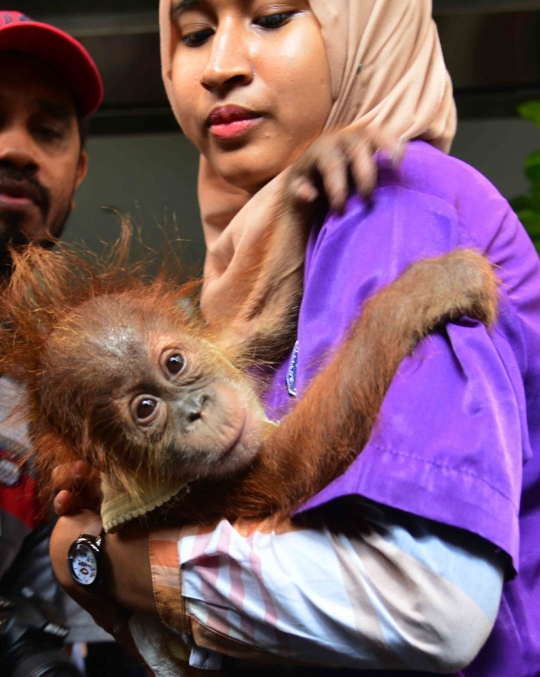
column 85, row 559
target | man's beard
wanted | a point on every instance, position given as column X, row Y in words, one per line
column 12, row 232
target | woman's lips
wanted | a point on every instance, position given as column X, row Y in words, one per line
column 228, row 122
column 232, row 129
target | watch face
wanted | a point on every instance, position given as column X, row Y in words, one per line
column 83, row 563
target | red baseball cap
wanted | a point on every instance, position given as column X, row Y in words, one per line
column 19, row 33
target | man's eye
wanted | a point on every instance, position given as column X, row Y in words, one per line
column 197, row 38
column 48, row 133
column 273, row 21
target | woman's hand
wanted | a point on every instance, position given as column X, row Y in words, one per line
column 128, row 574
column 335, row 161
column 128, row 577
column 100, row 605
column 78, row 486
column 128, row 581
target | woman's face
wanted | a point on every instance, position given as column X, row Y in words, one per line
column 251, row 81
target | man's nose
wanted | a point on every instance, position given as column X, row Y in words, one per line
column 17, row 150
column 229, row 63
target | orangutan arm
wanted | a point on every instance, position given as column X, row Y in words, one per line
column 262, row 309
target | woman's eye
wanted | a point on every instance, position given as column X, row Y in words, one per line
column 146, row 408
column 273, row 21
column 197, row 38
column 175, row 364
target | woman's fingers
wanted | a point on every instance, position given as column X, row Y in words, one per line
column 78, row 486
column 69, row 502
column 64, row 503
column 71, row 475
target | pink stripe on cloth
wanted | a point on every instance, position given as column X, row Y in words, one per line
column 271, row 615
column 201, row 541
column 208, row 568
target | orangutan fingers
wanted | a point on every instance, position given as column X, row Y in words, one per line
column 302, row 191
column 333, row 167
column 363, row 170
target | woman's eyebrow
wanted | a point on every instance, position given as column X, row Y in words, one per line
column 180, row 6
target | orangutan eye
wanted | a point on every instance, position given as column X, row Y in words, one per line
column 175, row 364
column 146, row 408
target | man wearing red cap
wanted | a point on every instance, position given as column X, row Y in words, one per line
column 49, row 85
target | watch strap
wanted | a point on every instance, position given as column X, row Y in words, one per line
column 94, row 529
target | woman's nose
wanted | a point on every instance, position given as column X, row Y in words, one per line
column 229, row 63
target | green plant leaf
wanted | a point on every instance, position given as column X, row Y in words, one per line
column 531, row 221
column 535, row 197
column 521, row 203
column 532, row 167
column 530, row 110
column 527, row 207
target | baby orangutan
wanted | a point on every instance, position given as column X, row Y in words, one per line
column 124, row 375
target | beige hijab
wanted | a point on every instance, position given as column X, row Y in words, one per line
column 402, row 90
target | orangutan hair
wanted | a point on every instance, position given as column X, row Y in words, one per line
column 124, row 373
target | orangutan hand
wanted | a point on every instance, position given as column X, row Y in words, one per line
column 78, row 486
column 334, row 163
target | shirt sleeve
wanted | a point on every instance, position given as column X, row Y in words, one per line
column 405, row 593
column 453, row 433
column 450, row 441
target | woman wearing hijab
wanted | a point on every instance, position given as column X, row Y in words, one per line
column 444, row 500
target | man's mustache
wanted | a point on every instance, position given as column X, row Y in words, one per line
column 12, row 179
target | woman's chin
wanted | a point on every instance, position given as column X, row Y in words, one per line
column 244, row 171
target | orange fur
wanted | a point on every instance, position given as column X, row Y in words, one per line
column 64, row 295
column 334, row 420
column 46, row 290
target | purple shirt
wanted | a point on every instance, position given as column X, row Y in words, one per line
column 458, row 438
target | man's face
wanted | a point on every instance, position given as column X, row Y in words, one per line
column 41, row 164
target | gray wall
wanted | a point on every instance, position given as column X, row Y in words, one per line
column 154, row 179
column 498, row 149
